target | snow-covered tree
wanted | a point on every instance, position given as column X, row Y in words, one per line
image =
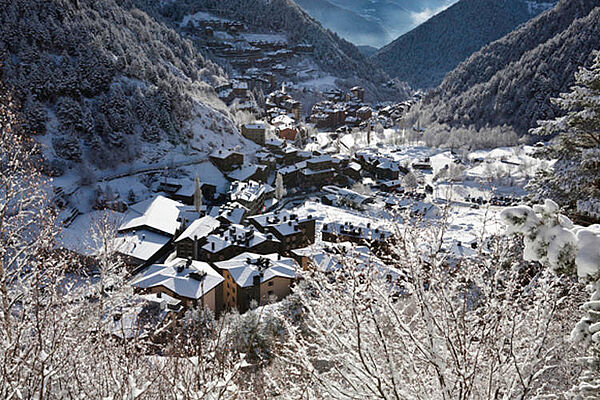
column 410, row 180
column 567, row 249
column 280, row 191
column 423, row 329
column 574, row 180
column 197, row 194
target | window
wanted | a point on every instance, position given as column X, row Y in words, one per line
column 270, row 283
column 270, row 293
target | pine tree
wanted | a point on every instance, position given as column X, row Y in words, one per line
column 198, row 195
column 567, row 249
column 280, row 191
column 575, row 178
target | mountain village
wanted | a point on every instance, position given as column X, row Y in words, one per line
column 225, row 199
column 239, row 230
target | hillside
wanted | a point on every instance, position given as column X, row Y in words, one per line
column 372, row 22
column 102, row 85
column 512, row 80
column 332, row 54
column 346, row 23
column 424, row 55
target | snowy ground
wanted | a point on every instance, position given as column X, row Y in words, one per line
column 201, row 16
column 485, row 174
column 265, row 37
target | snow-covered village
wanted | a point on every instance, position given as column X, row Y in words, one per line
column 280, row 199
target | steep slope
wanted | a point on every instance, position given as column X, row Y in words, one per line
column 424, row 55
column 367, row 51
column 346, row 23
column 385, row 19
column 512, row 80
column 106, row 85
column 333, row 54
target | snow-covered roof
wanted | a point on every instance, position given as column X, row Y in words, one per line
column 200, row 228
column 338, row 255
column 233, row 212
column 238, row 235
column 308, row 171
column 245, row 172
column 347, row 194
column 320, row 159
column 282, row 120
column 186, row 278
column 384, row 163
column 279, row 217
column 246, row 266
column 366, row 232
column 163, row 298
column 223, row 153
column 392, row 183
column 275, row 142
column 355, row 166
column 247, row 191
column 255, row 125
column 289, row 149
column 159, row 213
column 141, row 244
column 289, row 169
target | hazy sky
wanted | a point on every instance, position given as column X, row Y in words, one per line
column 423, row 15
column 373, row 22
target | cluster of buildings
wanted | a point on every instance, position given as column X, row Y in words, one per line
column 215, row 259
column 386, row 168
column 389, row 115
column 341, row 108
column 238, row 253
column 261, row 59
column 283, row 113
column 380, row 165
column 240, row 86
column 302, row 169
column 229, row 40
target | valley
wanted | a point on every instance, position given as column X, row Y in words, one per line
column 311, row 199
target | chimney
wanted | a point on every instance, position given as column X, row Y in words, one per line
column 196, row 247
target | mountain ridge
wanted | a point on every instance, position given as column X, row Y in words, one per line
column 518, row 75
column 423, row 56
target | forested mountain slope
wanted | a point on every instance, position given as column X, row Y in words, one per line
column 333, row 54
column 372, row 22
column 424, row 55
column 512, row 80
column 104, row 84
